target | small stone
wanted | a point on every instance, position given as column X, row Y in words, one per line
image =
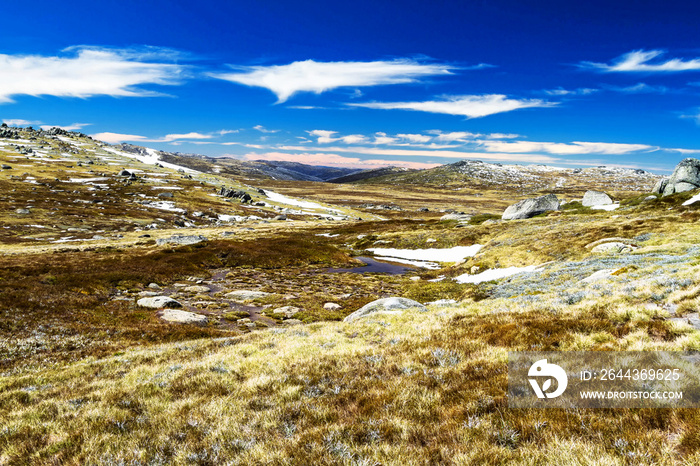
column 154, row 286
column 197, row 289
column 332, row 306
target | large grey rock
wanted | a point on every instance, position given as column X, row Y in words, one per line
column 530, row 207
column 457, row 217
column 182, row 317
column 157, row 302
column 686, row 177
column 613, row 248
column 393, row 305
column 197, row 289
column 181, row 239
column 592, row 198
column 246, row 295
column 660, row 186
column 287, row 311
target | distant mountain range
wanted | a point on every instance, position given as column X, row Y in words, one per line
column 469, row 174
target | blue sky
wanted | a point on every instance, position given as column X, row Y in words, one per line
column 365, row 84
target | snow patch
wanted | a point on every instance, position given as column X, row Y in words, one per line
column 494, row 274
column 692, row 200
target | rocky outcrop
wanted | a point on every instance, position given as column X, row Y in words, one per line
column 594, row 198
column 686, row 177
column 385, row 306
column 235, row 194
column 531, row 207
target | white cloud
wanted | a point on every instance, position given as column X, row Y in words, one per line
column 563, row 148
column 415, row 138
column 382, row 138
column 563, row 92
column 449, row 154
column 71, row 127
column 502, row 136
column 335, row 160
column 470, row 106
column 638, row 61
column 262, row 129
column 115, row 138
column 640, row 88
column 454, row 136
column 87, row 72
column 317, row 77
column 20, row 122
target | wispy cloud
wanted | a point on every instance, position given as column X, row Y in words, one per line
column 115, row 138
column 454, row 136
column 71, row 127
column 642, row 88
column 317, row 77
column 470, row 106
column 335, row 160
column 20, row 122
column 415, row 138
column 643, row 61
column 433, row 154
column 327, row 137
column 88, row 71
column 262, row 129
column 571, row 92
column 574, row 148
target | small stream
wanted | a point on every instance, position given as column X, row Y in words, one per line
column 374, row 266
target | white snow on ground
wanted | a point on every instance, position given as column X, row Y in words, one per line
column 165, row 205
column 152, row 158
column 417, row 263
column 327, row 235
column 87, row 180
column 454, row 254
column 607, row 207
column 494, row 274
column 692, row 200
column 166, row 187
column 281, row 198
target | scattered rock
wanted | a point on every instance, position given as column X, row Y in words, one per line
column 593, row 198
column 530, row 207
column 281, row 217
column 394, row 305
column 246, row 295
column 461, row 217
column 600, row 275
column 158, row 302
column 154, row 286
column 22, row 211
column 181, row 239
column 332, row 306
column 167, row 195
column 197, row 289
column 292, row 322
column 182, row 317
column 691, row 319
column 148, row 294
column 288, row 311
column 613, row 248
column 6, row 167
